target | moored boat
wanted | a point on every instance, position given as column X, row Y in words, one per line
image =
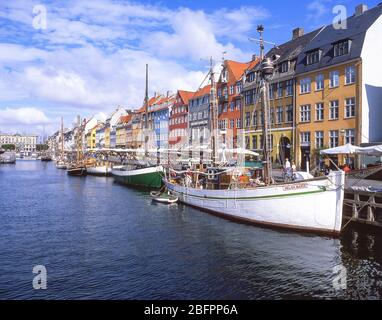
column 311, row 205
column 162, row 197
column 99, row 170
column 145, row 177
column 76, row 170
column 46, row 158
column 61, row 165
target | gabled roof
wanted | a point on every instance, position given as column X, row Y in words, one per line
column 202, row 92
column 357, row 26
column 185, row 95
column 124, row 119
column 237, row 68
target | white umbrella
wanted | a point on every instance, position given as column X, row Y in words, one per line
column 346, row 149
column 371, row 151
column 239, row 151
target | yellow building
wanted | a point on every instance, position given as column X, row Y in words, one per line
column 107, row 136
column 282, row 99
column 121, row 131
column 91, row 137
column 327, row 103
column 339, row 88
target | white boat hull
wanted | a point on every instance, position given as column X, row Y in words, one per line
column 99, row 171
column 311, row 205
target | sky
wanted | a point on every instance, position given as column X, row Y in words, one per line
column 63, row 58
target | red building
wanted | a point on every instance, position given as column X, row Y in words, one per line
column 178, row 121
column 229, row 88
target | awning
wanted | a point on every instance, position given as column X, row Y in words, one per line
column 346, row 149
column 371, row 151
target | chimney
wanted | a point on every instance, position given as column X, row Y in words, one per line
column 360, row 9
column 254, row 57
column 297, row 33
column 168, row 94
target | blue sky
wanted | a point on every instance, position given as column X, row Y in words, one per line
column 90, row 58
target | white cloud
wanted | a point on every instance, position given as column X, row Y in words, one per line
column 23, row 116
column 92, row 56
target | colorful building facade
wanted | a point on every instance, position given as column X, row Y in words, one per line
column 178, row 120
column 339, row 89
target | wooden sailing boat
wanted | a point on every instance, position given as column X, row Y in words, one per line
column 313, row 205
column 78, row 168
column 60, row 164
column 142, row 174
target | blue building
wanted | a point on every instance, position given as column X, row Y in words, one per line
column 161, row 119
column 159, row 112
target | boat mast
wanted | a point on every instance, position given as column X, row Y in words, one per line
column 62, row 138
column 79, row 140
column 146, row 109
column 214, row 114
column 266, row 73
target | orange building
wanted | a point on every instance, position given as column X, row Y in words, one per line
column 229, row 88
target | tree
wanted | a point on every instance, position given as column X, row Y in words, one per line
column 42, row 147
column 10, row 147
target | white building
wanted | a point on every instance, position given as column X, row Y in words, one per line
column 23, row 143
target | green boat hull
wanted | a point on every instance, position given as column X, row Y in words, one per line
column 148, row 180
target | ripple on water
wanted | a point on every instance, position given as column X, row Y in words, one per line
column 102, row 240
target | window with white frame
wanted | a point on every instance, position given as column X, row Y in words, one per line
column 279, row 115
column 350, row 108
column 334, row 79
column 232, row 123
column 280, row 90
column 313, row 57
column 319, row 111
column 238, row 104
column 350, row 76
column 247, row 119
column 238, row 123
column 254, row 119
column 232, row 90
column 285, row 67
column 334, row 110
column 289, row 88
column 305, row 138
column 320, row 82
column 333, row 138
column 305, row 113
column 305, row 85
column 254, row 142
column 341, row 48
column 289, row 114
column 350, row 136
column 239, row 87
column 319, row 139
column 232, row 106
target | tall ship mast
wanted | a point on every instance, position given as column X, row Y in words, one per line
column 60, row 164
column 247, row 195
column 141, row 175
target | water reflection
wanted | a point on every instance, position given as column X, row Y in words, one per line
column 102, row 240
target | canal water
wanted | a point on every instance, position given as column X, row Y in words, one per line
column 100, row 240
